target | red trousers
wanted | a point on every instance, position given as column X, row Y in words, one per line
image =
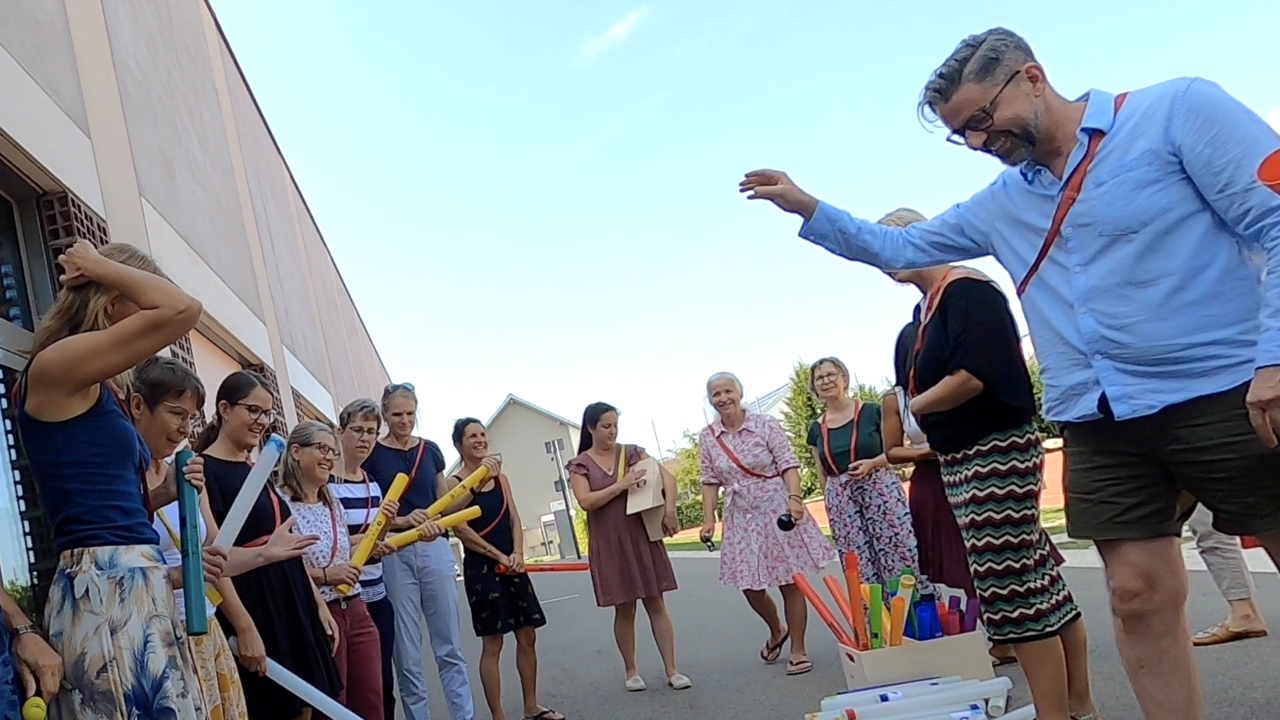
column 359, row 658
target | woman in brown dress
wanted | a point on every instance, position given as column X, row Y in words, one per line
column 625, row 565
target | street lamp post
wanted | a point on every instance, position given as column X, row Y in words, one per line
column 555, row 449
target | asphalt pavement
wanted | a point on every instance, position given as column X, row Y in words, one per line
column 718, row 639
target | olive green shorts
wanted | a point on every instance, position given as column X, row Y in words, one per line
column 1141, row 478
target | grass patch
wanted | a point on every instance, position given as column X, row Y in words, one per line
column 1053, row 519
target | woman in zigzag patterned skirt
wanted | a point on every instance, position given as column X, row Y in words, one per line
column 972, row 393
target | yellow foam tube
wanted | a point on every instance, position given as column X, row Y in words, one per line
column 374, row 532
column 466, row 485
column 417, row 534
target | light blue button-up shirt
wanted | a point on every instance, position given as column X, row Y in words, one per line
column 1154, row 292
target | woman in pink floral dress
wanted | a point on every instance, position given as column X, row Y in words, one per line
column 748, row 455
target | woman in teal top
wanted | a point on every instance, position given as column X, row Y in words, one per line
column 864, row 498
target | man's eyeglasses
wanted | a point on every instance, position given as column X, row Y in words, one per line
column 394, row 387
column 325, row 449
column 982, row 119
column 257, row 412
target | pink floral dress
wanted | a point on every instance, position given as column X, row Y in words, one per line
column 756, row 555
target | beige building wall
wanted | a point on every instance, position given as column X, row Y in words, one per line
column 134, row 118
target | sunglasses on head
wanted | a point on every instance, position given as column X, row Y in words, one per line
column 394, row 387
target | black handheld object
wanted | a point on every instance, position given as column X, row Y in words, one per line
column 786, row 522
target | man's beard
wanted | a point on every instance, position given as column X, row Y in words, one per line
column 1015, row 146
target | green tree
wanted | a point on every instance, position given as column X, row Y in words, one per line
column 1046, row 428
column 684, row 466
column 799, row 411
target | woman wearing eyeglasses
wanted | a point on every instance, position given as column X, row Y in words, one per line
column 309, row 460
column 864, row 498
column 293, row 620
column 421, row 579
column 361, row 499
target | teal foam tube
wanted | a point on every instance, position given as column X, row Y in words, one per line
column 192, row 561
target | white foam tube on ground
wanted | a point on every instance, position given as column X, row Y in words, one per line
column 884, row 692
column 304, row 692
column 1022, row 713
column 978, row 693
column 894, row 694
column 249, row 492
column 964, row 711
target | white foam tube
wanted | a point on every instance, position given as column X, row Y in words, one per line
column 894, row 694
column 964, row 711
column 305, row 692
column 1022, row 713
column 249, row 492
column 960, row 696
column 842, row 700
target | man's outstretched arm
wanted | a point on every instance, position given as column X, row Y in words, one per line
column 942, row 239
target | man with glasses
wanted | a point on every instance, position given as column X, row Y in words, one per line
column 1138, row 233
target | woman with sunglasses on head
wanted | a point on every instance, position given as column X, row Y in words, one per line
column 864, row 498
column 501, row 602
column 361, row 499
column 626, row 566
column 292, row 618
column 421, row 579
column 115, row 309
column 970, row 390
column 306, row 469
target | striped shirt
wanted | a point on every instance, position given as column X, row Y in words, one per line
column 360, row 501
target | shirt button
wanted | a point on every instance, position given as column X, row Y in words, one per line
column 1078, row 268
column 1084, row 311
column 1097, row 356
column 1068, row 230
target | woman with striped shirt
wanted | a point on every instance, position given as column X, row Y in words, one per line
column 358, row 426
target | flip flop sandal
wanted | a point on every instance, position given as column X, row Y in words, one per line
column 545, row 714
column 1221, row 634
column 770, row 653
column 798, row 667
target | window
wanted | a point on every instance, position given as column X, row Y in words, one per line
column 15, row 301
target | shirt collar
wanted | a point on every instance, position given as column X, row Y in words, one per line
column 718, row 428
column 1099, row 114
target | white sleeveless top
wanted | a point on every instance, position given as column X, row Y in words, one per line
column 910, row 428
column 173, row 556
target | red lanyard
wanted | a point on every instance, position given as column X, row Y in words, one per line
column 1070, row 192
column 368, row 503
column 930, row 303
column 333, row 525
column 853, row 438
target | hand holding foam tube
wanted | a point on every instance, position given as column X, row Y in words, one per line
column 249, row 492
column 418, row 534
column 374, row 533
column 466, row 485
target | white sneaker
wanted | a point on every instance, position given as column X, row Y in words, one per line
column 679, row 682
column 635, row 684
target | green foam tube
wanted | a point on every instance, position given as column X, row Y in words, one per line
column 876, row 612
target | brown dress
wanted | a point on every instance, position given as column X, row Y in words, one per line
column 625, row 565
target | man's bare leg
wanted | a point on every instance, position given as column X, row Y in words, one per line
column 1147, row 581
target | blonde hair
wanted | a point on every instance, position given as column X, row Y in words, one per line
column 84, row 309
column 902, row 217
column 289, row 480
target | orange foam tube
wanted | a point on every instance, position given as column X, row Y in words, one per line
column 548, row 567
column 824, row 612
column 842, row 601
column 858, row 619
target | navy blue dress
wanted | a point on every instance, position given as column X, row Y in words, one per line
column 499, row 603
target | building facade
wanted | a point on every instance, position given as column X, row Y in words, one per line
column 132, row 122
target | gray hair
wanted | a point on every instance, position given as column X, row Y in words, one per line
column 725, row 376
column 357, row 410
column 902, row 217
column 984, row 59
column 304, row 433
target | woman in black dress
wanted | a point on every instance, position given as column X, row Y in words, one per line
column 501, row 602
column 296, row 628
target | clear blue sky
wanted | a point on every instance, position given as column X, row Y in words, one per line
column 540, row 198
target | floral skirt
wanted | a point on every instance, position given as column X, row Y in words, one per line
column 217, row 674
column 111, row 616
